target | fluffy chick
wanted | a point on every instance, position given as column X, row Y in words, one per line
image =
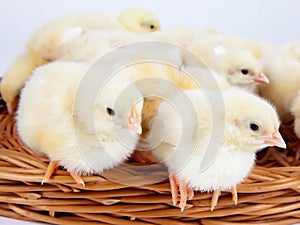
column 283, row 70
column 139, row 20
column 239, row 66
column 293, row 49
column 46, row 120
column 215, row 38
column 46, row 43
column 250, row 124
column 15, row 77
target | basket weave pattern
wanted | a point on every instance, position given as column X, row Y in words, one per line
column 270, row 195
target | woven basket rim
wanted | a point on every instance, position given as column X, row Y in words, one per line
column 269, row 195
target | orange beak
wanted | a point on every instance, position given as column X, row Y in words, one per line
column 276, row 140
column 261, row 78
column 134, row 123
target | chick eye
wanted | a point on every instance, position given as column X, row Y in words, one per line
column 244, row 71
column 110, row 111
column 152, row 26
column 254, row 127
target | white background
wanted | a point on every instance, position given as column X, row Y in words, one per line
column 276, row 22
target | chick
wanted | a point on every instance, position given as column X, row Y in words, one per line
column 47, row 120
column 293, row 49
column 15, row 77
column 215, row 38
column 283, row 70
column 221, row 53
column 239, row 66
column 139, row 20
column 61, row 31
column 49, row 42
column 188, row 138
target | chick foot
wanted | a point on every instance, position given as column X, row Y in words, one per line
column 51, row 169
column 180, row 186
column 217, row 193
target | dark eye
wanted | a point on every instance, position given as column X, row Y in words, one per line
column 254, row 126
column 244, row 71
column 110, row 111
column 152, row 27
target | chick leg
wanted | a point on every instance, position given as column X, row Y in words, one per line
column 53, row 166
column 234, row 195
column 214, row 200
column 50, row 170
column 185, row 192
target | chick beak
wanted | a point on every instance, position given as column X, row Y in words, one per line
column 276, row 140
column 134, row 123
column 261, row 78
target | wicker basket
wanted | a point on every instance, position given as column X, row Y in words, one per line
column 270, row 195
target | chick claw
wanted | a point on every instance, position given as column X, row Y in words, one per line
column 77, row 178
column 185, row 192
column 234, row 195
column 214, row 199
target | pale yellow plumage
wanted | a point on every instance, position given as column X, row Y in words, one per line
column 46, row 43
column 283, row 70
column 250, row 124
column 238, row 64
column 47, row 119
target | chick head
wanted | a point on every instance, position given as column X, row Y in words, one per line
column 252, row 123
column 242, row 68
column 119, row 106
column 139, row 20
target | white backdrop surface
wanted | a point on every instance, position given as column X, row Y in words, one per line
column 276, row 22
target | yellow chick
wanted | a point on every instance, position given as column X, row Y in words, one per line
column 293, row 49
column 139, row 20
column 239, row 66
column 250, row 124
column 283, row 70
column 47, row 42
column 214, row 38
column 49, row 123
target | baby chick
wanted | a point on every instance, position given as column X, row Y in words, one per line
column 215, row 38
column 139, row 20
column 283, row 70
column 55, row 34
column 239, row 66
column 293, row 49
column 47, row 120
column 47, row 42
column 186, row 143
column 15, row 77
